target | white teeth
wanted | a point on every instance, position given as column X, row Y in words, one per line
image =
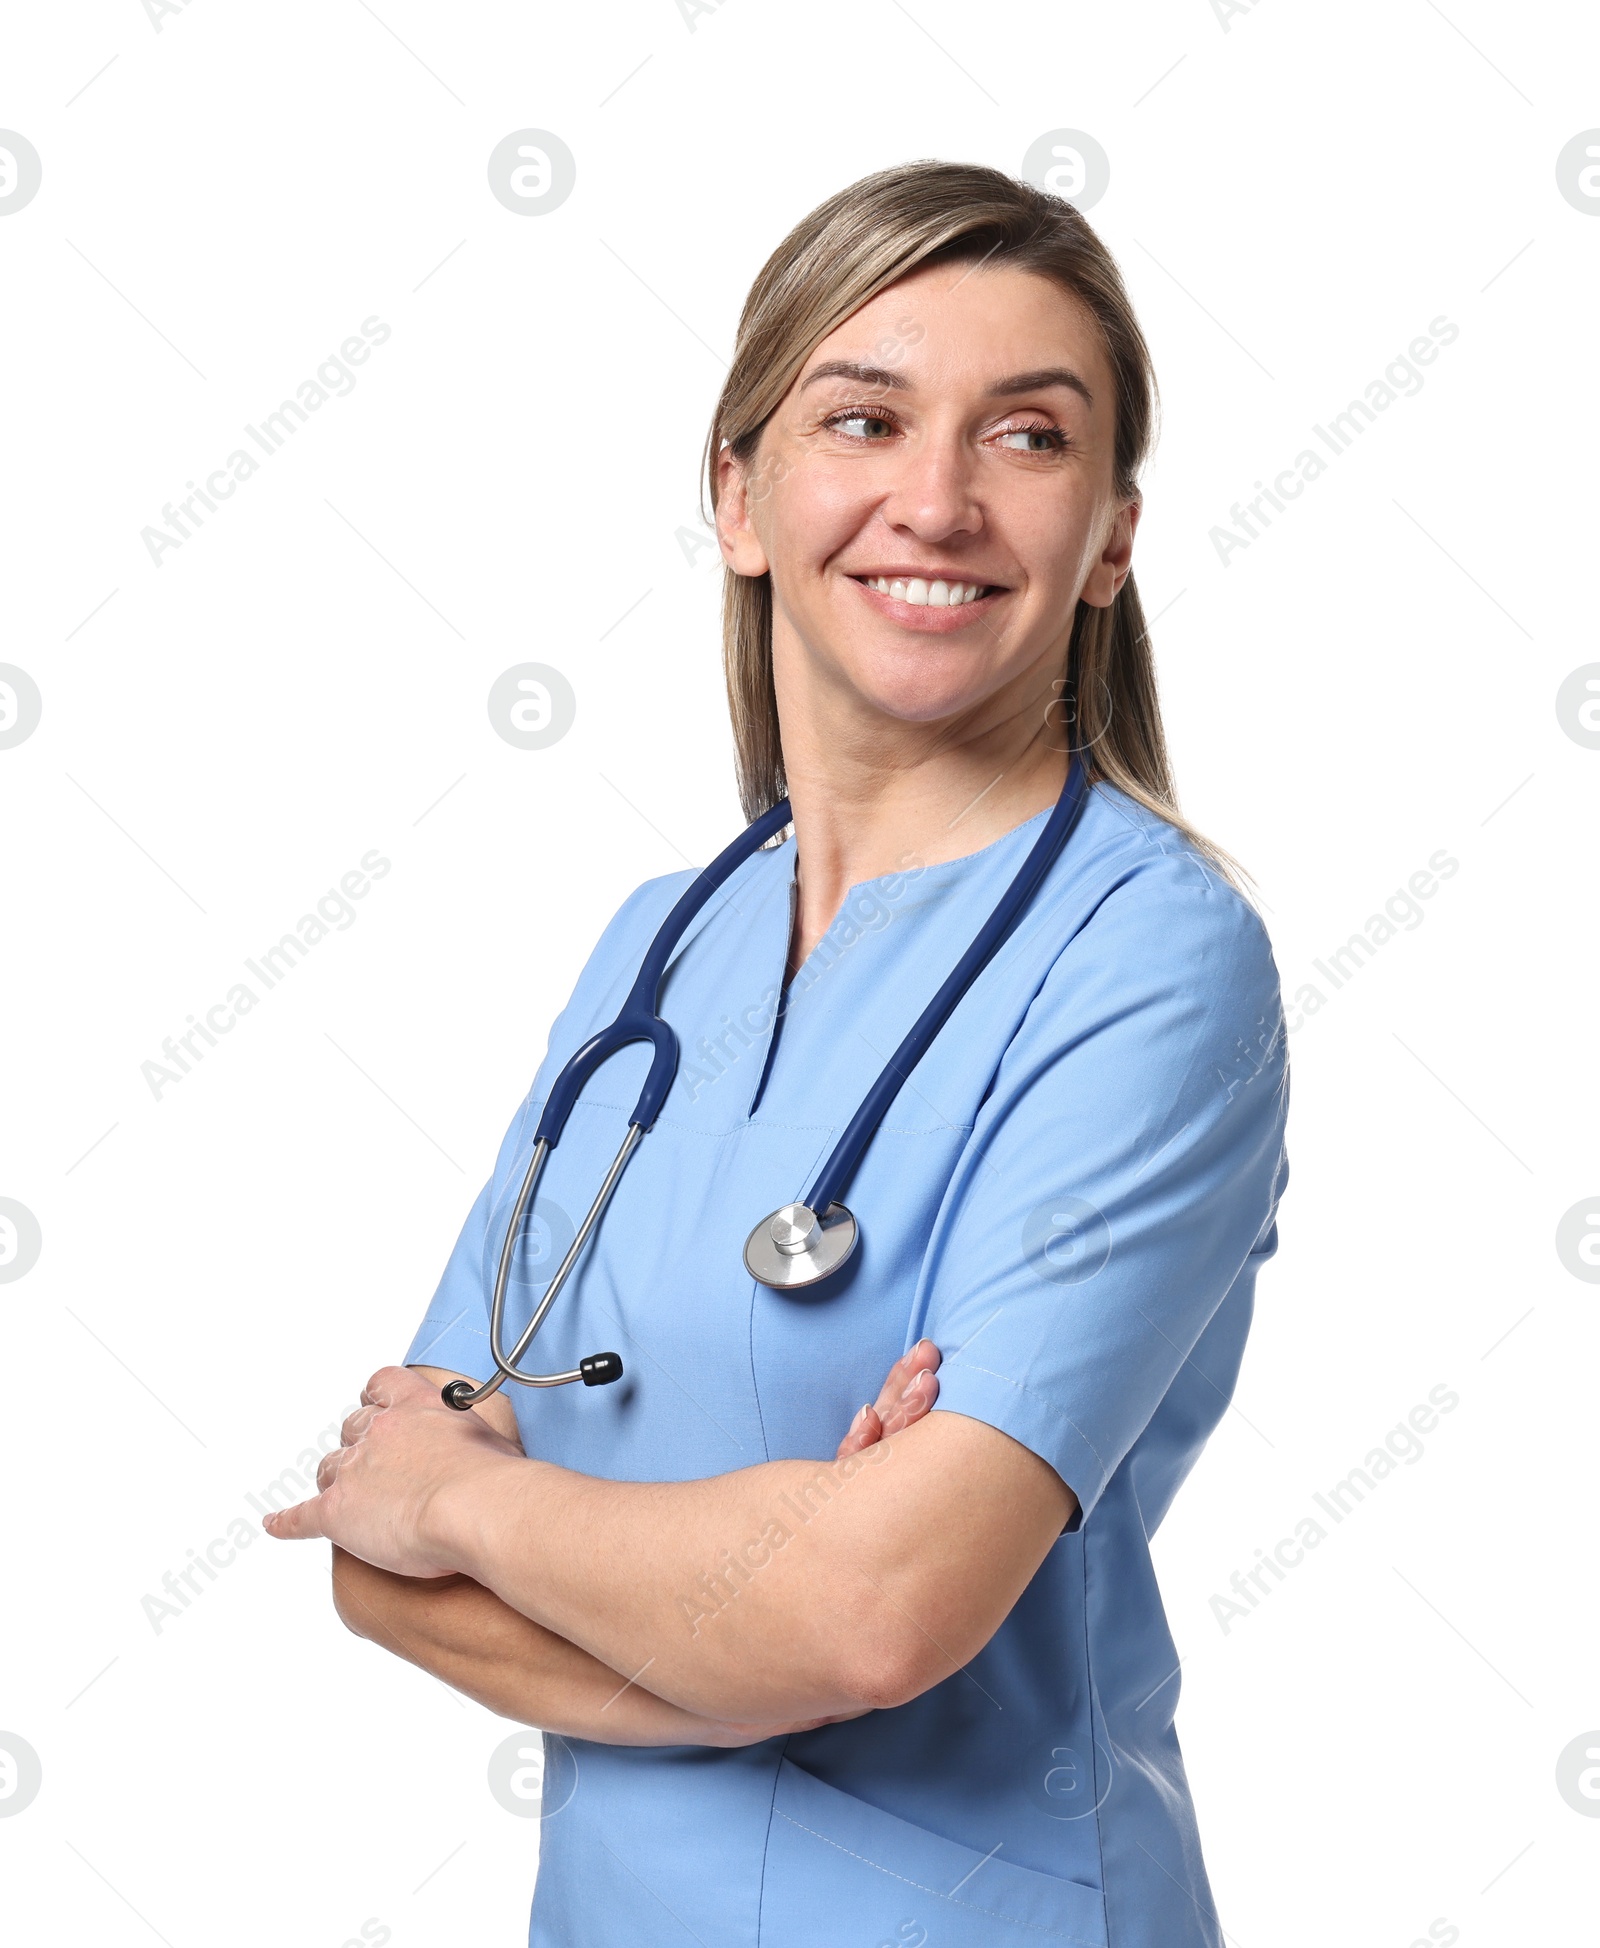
column 924, row 594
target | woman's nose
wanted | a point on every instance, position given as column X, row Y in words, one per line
column 933, row 492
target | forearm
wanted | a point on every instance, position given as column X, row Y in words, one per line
column 776, row 1597
column 766, row 1593
column 463, row 1634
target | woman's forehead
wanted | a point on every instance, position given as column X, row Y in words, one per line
column 963, row 325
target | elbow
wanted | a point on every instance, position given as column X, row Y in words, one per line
column 348, row 1606
column 895, row 1659
column 892, row 1666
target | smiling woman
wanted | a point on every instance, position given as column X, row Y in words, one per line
column 810, row 1693
column 864, row 273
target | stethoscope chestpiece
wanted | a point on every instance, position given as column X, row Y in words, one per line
column 796, row 1247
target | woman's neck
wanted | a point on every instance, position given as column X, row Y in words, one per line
column 873, row 794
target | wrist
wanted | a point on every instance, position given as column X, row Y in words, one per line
column 467, row 1509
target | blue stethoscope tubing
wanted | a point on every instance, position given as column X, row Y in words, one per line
column 801, row 1243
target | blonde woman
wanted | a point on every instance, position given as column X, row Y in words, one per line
column 914, row 1683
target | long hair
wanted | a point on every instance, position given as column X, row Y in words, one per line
column 834, row 261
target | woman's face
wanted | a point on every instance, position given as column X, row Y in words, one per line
column 934, row 496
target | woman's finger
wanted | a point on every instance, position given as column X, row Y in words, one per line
column 924, row 1356
column 909, row 1390
column 899, row 1377
column 920, row 1391
column 356, row 1424
column 863, row 1431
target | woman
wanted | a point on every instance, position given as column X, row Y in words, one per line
column 924, row 1692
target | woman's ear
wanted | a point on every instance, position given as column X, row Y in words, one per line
column 1110, row 571
column 741, row 545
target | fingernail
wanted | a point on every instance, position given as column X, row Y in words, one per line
column 861, row 1414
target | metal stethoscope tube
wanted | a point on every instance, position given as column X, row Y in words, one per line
column 599, row 1369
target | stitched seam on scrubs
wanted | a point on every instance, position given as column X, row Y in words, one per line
column 965, row 1366
column 1091, row 1541
column 1056, row 1934
column 461, row 1321
column 766, row 1842
column 1161, row 835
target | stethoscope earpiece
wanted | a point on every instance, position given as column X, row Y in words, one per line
column 598, row 1370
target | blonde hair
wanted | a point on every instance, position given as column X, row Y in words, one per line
column 834, row 261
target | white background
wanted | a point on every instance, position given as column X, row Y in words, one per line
column 1295, row 194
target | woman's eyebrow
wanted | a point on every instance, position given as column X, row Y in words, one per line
column 862, row 375
column 879, row 376
column 1047, row 375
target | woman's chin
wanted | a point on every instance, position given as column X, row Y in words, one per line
column 925, row 685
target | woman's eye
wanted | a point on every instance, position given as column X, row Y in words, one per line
column 1034, row 439
column 862, row 426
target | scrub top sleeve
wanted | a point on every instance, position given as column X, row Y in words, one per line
column 454, row 1332
column 1122, row 1175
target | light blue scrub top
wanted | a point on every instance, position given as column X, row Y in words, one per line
column 1071, row 1197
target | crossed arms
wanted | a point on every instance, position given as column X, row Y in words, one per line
column 713, row 1612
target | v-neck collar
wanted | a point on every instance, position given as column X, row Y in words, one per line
column 943, row 871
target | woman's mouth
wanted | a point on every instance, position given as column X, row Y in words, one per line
column 920, row 592
column 930, row 604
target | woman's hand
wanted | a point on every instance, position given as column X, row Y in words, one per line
column 911, row 1388
column 398, row 1452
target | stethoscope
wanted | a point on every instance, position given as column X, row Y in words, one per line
column 801, row 1243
